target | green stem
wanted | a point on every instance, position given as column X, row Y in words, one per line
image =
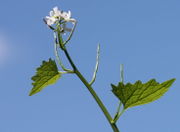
column 93, row 93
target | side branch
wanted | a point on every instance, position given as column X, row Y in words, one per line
column 97, row 65
column 74, row 26
column 58, row 57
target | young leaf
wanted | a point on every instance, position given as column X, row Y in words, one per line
column 46, row 74
column 138, row 93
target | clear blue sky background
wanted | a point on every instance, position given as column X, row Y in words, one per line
column 141, row 34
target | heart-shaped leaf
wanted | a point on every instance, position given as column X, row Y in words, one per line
column 46, row 74
column 138, row 93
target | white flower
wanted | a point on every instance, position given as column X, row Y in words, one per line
column 67, row 16
column 56, row 15
column 50, row 20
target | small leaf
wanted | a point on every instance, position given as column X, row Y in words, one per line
column 138, row 93
column 46, row 74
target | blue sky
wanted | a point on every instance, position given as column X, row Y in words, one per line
column 143, row 35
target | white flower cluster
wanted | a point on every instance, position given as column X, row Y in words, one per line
column 56, row 15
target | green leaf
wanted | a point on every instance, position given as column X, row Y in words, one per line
column 138, row 93
column 46, row 74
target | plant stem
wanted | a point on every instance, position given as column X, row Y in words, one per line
column 119, row 113
column 93, row 93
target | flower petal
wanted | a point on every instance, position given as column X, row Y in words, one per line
column 50, row 20
column 55, row 9
column 51, row 13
